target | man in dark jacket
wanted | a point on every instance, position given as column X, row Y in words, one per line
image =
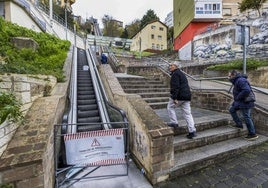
column 241, row 90
column 103, row 58
column 180, row 95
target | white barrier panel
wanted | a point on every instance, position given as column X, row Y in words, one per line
column 104, row 147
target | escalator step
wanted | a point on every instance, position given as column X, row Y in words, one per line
column 88, row 107
column 89, row 120
column 86, row 102
column 84, row 128
column 84, row 88
column 89, row 113
column 91, row 92
column 85, row 97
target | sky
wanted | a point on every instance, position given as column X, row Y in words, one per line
column 121, row 10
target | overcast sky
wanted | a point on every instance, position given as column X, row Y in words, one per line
column 122, row 10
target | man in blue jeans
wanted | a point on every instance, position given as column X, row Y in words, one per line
column 241, row 90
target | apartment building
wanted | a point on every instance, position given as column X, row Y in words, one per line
column 152, row 36
column 192, row 17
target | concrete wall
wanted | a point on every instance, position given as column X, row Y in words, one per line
column 220, row 44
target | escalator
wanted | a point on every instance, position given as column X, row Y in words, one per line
column 88, row 115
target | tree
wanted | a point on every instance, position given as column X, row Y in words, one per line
column 111, row 27
column 251, row 4
column 170, row 37
column 148, row 17
column 133, row 28
column 124, row 34
column 86, row 27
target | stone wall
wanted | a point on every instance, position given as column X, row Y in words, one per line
column 7, row 130
column 28, row 160
column 150, row 139
column 26, row 88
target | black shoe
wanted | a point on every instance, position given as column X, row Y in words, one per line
column 190, row 135
column 251, row 137
column 174, row 125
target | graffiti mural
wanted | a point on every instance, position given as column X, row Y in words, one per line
column 221, row 45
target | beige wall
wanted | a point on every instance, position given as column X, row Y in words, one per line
column 158, row 42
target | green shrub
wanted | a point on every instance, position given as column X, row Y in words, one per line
column 48, row 59
column 9, row 108
column 251, row 64
column 7, row 186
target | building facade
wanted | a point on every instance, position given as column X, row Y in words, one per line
column 192, row 17
column 169, row 19
column 153, row 36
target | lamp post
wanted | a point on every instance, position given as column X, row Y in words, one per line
column 50, row 12
column 140, row 46
column 66, row 19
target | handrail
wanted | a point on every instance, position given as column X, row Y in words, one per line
column 105, row 98
column 73, row 94
column 99, row 96
column 165, row 63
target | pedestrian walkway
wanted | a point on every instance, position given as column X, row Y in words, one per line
column 250, row 169
column 134, row 178
column 245, row 171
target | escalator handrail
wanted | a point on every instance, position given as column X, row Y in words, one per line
column 98, row 92
column 106, row 101
column 73, row 93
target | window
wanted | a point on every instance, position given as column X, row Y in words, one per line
column 157, row 47
column 161, row 28
column 152, row 27
column 152, row 36
column 159, row 37
column 153, row 47
column 226, row 12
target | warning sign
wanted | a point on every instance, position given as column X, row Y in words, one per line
column 104, row 147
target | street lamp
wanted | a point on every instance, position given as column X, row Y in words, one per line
column 65, row 9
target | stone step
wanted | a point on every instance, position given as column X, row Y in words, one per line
column 158, row 105
column 142, row 86
column 148, row 90
column 206, row 124
column 206, row 137
column 195, row 159
column 155, row 94
column 140, row 82
column 156, row 99
column 130, row 79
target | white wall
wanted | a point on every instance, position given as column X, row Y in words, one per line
column 185, row 53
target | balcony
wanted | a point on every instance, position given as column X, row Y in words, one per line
column 208, row 10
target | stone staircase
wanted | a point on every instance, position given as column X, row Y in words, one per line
column 216, row 140
column 152, row 90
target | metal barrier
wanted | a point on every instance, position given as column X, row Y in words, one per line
column 93, row 154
